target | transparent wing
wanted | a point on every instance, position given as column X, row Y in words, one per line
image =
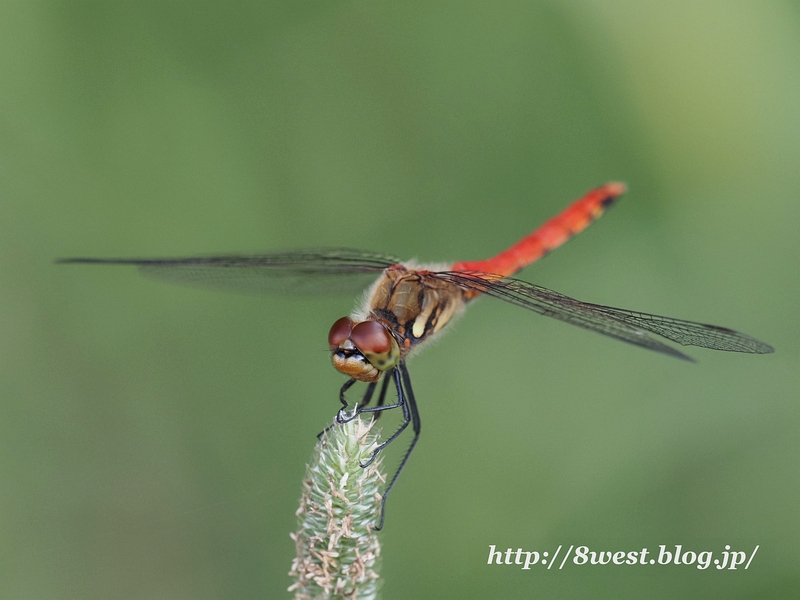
column 313, row 271
column 625, row 325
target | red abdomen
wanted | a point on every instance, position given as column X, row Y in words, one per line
column 571, row 221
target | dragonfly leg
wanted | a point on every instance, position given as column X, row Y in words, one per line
column 412, row 405
column 340, row 416
column 382, row 397
column 339, row 419
column 347, row 385
column 401, row 402
column 405, row 400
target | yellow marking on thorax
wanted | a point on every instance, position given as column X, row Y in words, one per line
column 429, row 304
column 445, row 316
column 418, row 305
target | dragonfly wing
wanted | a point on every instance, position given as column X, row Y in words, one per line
column 314, row 271
column 689, row 333
column 625, row 325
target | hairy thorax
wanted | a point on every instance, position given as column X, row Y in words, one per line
column 413, row 305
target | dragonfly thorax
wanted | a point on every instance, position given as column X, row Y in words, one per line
column 362, row 350
column 414, row 302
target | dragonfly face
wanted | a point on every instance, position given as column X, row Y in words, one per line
column 403, row 308
column 363, row 350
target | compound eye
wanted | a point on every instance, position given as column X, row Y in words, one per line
column 377, row 345
column 370, row 337
column 340, row 331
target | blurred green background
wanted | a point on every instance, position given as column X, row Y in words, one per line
column 153, row 438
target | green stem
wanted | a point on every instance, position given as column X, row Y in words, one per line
column 337, row 550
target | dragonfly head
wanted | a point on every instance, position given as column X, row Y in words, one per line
column 362, row 350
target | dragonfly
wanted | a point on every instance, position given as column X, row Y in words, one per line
column 407, row 304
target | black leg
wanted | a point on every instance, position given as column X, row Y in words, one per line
column 401, row 401
column 405, row 400
column 347, row 385
column 365, row 400
column 382, row 396
column 340, row 418
column 412, row 404
column 367, row 395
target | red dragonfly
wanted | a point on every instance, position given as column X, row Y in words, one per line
column 409, row 303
